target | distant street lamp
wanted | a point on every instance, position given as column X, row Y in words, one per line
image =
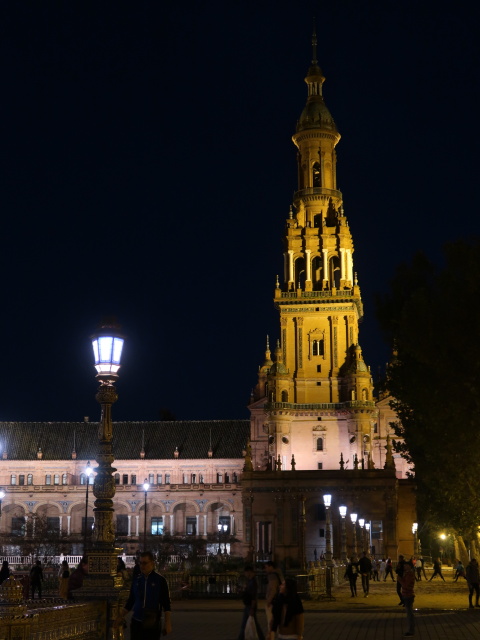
column 415, row 539
column 327, row 501
column 353, row 518
column 146, row 487
column 88, row 473
column 221, row 528
column 367, row 536
column 343, row 513
column 361, row 522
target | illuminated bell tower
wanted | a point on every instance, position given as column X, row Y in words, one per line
column 315, row 400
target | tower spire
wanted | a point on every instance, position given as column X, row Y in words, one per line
column 314, row 43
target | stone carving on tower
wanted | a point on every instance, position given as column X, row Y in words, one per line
column 315, row 399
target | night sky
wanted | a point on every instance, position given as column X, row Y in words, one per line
column 147, row 171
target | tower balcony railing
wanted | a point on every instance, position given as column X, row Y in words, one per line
column 340, row 293
column 329, row 406
column 317, row 191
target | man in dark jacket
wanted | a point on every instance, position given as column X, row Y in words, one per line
column 148, row 596
column 365, row 565
column 36, row 578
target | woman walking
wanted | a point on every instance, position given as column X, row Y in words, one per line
column 287, row 612
column 473, row 581
column 352, row 574
column 63, row 576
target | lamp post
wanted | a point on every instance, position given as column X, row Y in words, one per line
column 102, row 555
column 327, row 501
column 367, row 536
column 88, row 473
column 353, row 518
column 221, row 528
column 343, row 512
column 146, row 487
column 361, row 522
column 415, row 539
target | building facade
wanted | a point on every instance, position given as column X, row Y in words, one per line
column 314, row 429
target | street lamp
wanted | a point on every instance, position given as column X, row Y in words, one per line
column 221, row 527
column 353, row 518
column 88, row 473
column 107, row 349
column 327, row 501
column 414, row 531
column 367, row 536
column 343, row 513
column 146, row 487
column 361, row 522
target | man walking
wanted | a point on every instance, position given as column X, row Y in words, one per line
column 273, row 586
column 473, row 580
column 149, row 595
column 399, row 572
column 407, row 582
column 365, row 566
column 437, row 570
column 36, row 578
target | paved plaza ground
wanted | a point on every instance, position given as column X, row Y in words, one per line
column 441, row 613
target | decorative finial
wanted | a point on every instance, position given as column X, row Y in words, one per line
column 355, row 462
column 290, row 213
column 277, row 283
column 389, row 461
column 355, row 279
column 293, row 463
column 314, row 43
column 278, row 464
column 342, row 463
column 248, row 466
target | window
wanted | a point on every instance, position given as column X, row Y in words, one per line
column 185, row 478
column 194, row 478
column 220, row 478
column 122, row 525
column 320, row 513
column 18, row 526
column 82, row 478
column 284, row 396
column 227, row 478
column 151, row 479
column 65, row 478
column 191, row 526
column 235, row 477
column 319, row 368
column 317, row 348
column 21, row 480
column 117, row 478
column 201, row 480
column 167, row 478
column 48, row 479
column 90, row 522
column 159, row 478
column 157, row 526
column 319, row 444
column 321, row 533
column 125, row 478
column 316, row 175
column 30, row 479
column 134, row 479
column 53, row 524
column 320, row 466
column 56, row 479
column 13, row 479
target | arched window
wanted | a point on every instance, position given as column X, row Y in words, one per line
column 319, row 444
column 30, row 479
column 56, row 479
column 284, row 396
column 300, row 273
column 13, row 478
column 353, row 394
column 82, row 478
column 117, row 478
column 201, row 480
column 219, row 478
column 48, row 479
column 364, row 394
column 151, row 478
column 335, row 272
column 194, row 478
column 235, row 477
column 316, row 175
column 134, row 479
column 167, row 478
column 64, row 478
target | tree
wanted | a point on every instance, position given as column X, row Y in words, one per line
column 431, row 318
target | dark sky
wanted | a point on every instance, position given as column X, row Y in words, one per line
column 147, row 171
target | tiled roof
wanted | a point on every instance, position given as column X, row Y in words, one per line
column 21, row 440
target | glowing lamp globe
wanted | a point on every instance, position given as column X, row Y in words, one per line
column 367, row 526
column 146, row 486
column 2, row 494
column 353, row 518
column 343, row 511
column 327, row 500
column 361, row 522
column 107, row 349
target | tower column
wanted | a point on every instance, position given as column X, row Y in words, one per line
column 325, row 266
column 308, row 265
column 342, row 265
column 290, row 266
